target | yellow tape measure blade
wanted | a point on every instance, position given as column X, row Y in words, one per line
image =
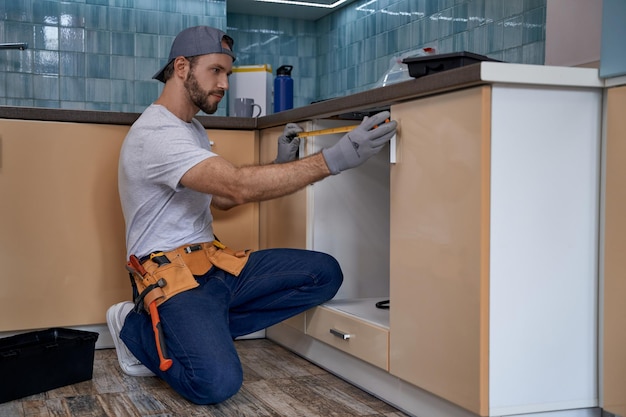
column 330, row 131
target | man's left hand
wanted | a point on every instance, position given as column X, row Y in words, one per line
column 288, row 144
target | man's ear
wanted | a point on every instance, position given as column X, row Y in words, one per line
column 181, row 64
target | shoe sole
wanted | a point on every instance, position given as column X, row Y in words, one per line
column 138, row 370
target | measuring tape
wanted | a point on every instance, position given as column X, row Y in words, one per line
column 330, row 131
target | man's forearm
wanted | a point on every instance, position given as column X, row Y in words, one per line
column 276, row 180
column 231, row 186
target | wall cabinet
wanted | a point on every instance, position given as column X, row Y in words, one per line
column 492, row 259
column 62, row 227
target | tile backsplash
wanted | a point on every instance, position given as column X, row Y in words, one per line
column 101, row 54
column 93, row 54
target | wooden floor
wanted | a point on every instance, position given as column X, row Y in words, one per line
column 276, row 383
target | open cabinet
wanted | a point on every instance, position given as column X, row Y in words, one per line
column 347, row 216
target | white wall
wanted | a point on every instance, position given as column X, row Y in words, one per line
column 573, row 32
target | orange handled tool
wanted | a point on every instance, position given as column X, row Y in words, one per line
column 134, row 264
column 164, row 362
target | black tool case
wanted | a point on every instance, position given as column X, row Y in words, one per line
column 39, row 361
column 431, row 64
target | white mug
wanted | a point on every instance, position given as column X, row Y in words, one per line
column 244, row 107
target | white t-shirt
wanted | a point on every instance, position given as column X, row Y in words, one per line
column 160, row 213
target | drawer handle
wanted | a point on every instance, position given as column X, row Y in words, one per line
column 339, row 333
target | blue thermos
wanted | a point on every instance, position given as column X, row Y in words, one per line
column 283, row 89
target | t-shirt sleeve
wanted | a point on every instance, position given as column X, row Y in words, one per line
column 168, row 156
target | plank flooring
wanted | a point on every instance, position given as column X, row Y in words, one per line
column 276, row 383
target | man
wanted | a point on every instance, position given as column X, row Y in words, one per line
column 168, row 180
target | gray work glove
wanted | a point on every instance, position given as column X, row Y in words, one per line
column 358, row 145
column 288, row 144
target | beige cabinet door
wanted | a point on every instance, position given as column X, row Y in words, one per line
column 613, row 367
column 239, row 226
column 62, row 240
column 62, row 230
column 440, row 246
column 282, row 220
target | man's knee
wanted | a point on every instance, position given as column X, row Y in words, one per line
column 213, row 390
column 331, row 274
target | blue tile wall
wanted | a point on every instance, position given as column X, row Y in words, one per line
column 512, row 31
column 357, row 44
column 101, row 54
column 279, row 41
column 93, row 54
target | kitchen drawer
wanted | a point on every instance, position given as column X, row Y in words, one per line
column 297, row 322
column 350, row 334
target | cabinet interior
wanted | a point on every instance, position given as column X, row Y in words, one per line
column 348, row 217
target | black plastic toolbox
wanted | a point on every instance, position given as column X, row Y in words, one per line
column 42, row 360
column 431, row 64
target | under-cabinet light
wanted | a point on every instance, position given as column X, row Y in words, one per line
column 306, row 3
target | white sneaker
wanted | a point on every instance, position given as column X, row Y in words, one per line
column 116, row 314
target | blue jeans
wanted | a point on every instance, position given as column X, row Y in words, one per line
column 199, row 325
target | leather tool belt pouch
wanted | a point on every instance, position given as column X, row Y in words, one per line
column 176, row 275
column 180, row 266
column 200, row 257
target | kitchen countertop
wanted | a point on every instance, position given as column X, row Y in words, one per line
column 372, row 99
column 349, row 107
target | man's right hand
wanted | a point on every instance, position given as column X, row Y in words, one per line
column 360, row 144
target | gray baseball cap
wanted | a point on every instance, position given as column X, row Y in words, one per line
column 198, row 40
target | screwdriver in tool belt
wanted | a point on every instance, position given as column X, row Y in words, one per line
column 134, row 263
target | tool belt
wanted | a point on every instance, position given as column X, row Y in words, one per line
column 161, row 275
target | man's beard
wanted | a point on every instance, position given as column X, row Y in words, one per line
column 200, row 97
